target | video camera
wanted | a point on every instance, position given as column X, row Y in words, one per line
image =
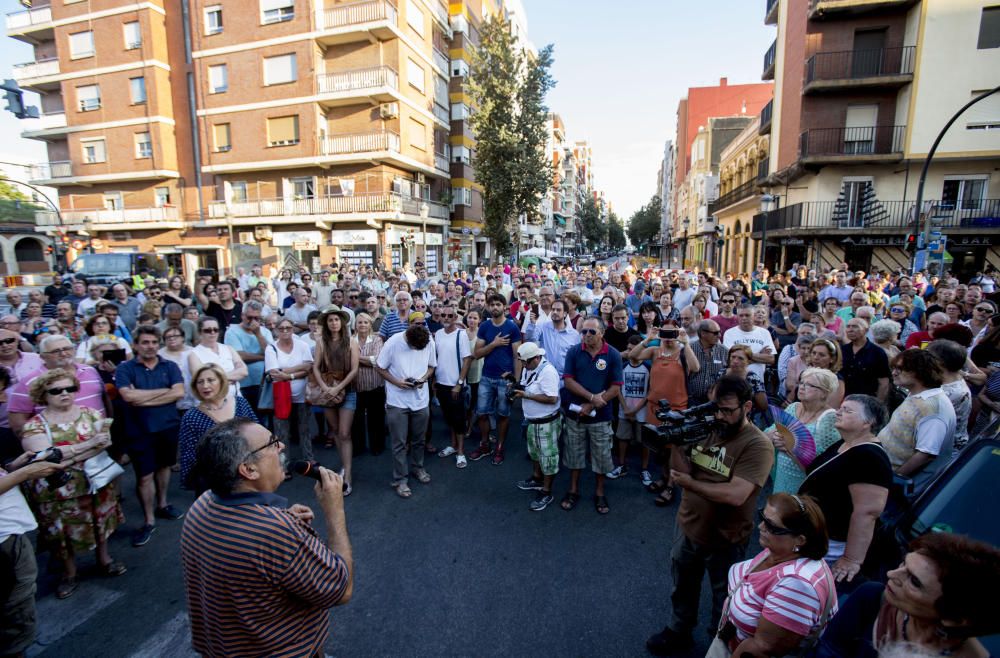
column 680, row 428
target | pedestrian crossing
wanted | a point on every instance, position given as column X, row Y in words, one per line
column 57, row 619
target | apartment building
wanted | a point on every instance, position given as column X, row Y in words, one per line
column 258, row 130
column 863, row 87
column 665, row 190
column 742, row 166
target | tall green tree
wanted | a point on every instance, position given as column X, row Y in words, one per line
column 616, row 232
column 9, row 191
column 645, row 223
column 507, row 86
column 591, row 227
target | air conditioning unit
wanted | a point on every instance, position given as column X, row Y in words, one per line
column 263, row 233
column 246, row 237
column 389, row 110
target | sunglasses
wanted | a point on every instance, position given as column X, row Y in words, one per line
column 61, row 390
column 775, row 530
column 985, row 309
column 8, row 341
column 589, row 332
column 210, row 330
column 273, row 441
column 897, row 309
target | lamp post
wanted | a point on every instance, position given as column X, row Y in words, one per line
column 766, row 203
column 686, row 224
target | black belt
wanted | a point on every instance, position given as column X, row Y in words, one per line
column 542, row 421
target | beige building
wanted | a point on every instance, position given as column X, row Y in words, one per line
column 257, row 130
column 740, row 173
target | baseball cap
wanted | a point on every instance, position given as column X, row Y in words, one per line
column 528, row 351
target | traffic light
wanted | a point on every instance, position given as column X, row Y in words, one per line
column 911, row 243
column 15, row 101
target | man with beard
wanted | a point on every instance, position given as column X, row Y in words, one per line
column 721, row 477
column 619, row 332
column 407, row 362
column 496, row 343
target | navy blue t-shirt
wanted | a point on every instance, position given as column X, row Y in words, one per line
column 595, row 374
column 158, row 418
column 501, row 359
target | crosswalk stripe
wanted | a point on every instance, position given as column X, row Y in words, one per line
column 172, row 640
column 56, row 618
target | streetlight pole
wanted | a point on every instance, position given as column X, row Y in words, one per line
column 766, row 200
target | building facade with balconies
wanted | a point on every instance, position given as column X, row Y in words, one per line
column 740, row 166
column 257, row 131
column 862, row 90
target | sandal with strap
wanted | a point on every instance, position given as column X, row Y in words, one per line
column 403, row 490
column 665, row 498
column 66, row 587
column 601, row 504
column 112, row 569
column 657, row 487
column 570, row 500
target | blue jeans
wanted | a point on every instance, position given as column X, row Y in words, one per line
column 493, row 397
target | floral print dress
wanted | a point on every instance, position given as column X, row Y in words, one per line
column 70, row 517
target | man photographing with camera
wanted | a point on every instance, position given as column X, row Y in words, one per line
column 260, row 581
column 721, row 477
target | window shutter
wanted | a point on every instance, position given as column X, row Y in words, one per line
column 283, row 130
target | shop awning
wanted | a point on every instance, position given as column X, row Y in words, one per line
column 559, row 218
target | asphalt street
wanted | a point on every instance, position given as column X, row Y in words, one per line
column 461, row 568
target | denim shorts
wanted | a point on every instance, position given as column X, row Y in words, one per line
column 350, row 402
column 493, row 397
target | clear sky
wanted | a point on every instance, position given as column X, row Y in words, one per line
column 622, row 66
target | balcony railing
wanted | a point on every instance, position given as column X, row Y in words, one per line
column 359, row 143
column 850, row 65
column 769, row 58
column 441, row 162
column 373, row 77
column 385, row 202
column 356, row 13
column 765, row 118
column 770, row 13
column 876, row 214
column 51, row 120
column 20, row 19
column 442, row 61
column 441, row 113
column 42, row 67
column 744, row 191
column 856, row 141
column 50, row 170
column 121, row 215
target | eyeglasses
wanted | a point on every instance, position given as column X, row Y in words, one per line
column 774, row 529
column 273, row 441
column 61, row 390
column 8, row 341
column 210, row 330
column 589, row 332
column 60, row 350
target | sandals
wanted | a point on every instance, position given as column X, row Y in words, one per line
column 423, row 477
column 66, row 587
column 657, row 487
column 112, row 569
column 403, row 490
column 665, row 498
column 601, row 504
column 569, row 501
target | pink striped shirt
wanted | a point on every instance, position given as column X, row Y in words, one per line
column 90, row 395
column 790, row 595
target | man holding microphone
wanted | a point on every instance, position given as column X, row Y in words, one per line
column 260, row 580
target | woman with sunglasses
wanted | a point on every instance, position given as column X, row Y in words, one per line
column 214, row 405
column 980, row 321
column 71, row 520
column 18, row 363
column 210, row 350
column 899, row 311
column 782, row 598
column 98, row 325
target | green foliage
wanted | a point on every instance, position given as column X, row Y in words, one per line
column 592, row 229
column 507, row 87
column 616, row 233
column 645, row 223
column 8, row 191
column 15, row 206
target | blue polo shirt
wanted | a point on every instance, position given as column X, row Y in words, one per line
column 501, row 359
column 164, row 374
column 594, row 374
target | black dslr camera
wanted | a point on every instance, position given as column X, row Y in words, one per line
column 511, row 390
column 680, row 428
column 54, row 455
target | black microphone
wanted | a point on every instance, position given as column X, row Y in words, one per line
column 308, row 469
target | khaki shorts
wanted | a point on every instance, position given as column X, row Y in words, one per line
column 628, row 430
column 596, row 436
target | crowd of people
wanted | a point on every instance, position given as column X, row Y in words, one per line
column 889, row 376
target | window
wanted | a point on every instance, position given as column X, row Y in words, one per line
column 460, row 154
column 94, row 150
column 303, row 188
column 133, row 35
column 965, row 193
column 283, row 131
column 88, row 98
column 218, row 79
column 276, row 11
column 402, row 187
column 137, row 90
column 459, row 111
column 459, row 68
column 113, row 200
column 418, row 135
column 989, row 28
column 161, row 197
column 221, row 137
column 213, row 19
column 414, row 17
column 238, row 191
column 461, row 196
column 81, row 44
column 984, row 115
column 279, row 70
column 143, row 145
column 415, row 75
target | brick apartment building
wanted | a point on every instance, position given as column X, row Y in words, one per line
column 225, row 132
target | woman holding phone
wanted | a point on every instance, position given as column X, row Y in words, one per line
column 99, row 325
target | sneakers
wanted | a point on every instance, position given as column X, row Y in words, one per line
column 647, row 479
column 619, row 471
column 669, row 642
column 143, row 535
column 541, row 501
column 498, row 456
column 484, row 450
column 461, row 461
column 447, row 452
column 170, row 513
column 531, row 484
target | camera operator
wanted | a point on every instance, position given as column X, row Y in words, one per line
column 721, row 477
column 539, row 394
column 18, row 569
column 260, row 581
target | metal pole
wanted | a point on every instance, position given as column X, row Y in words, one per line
column 927, row 164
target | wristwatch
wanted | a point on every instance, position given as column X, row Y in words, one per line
column 461, row 382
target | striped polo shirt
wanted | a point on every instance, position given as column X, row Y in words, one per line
column 90, row 395
column 259, row 582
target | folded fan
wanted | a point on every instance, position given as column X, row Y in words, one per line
column 796, row 435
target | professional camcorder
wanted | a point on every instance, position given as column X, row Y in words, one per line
column 680, row 428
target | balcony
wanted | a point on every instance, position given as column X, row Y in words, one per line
column 47, row 171
column 35, row 22
column 359, row 143
column 441, row 162
column 769, row 58
column 770, row 12
column 765, row 118
column 441, row 113
column 876, row 216
column 358, row 21
column 850, row 70
column 844, row 9
column 735, row 195
column 33, row 74
column 344, row 87
column 384, row 203
column 49, row 125
column 442, row 61
column 855, row 145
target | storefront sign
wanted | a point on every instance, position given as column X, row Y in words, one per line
column 886, row 241
column 358, row 236
column 793, row 242
column 394, row 236
column 289, row 238
column 305, row 246
column 971, row 241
